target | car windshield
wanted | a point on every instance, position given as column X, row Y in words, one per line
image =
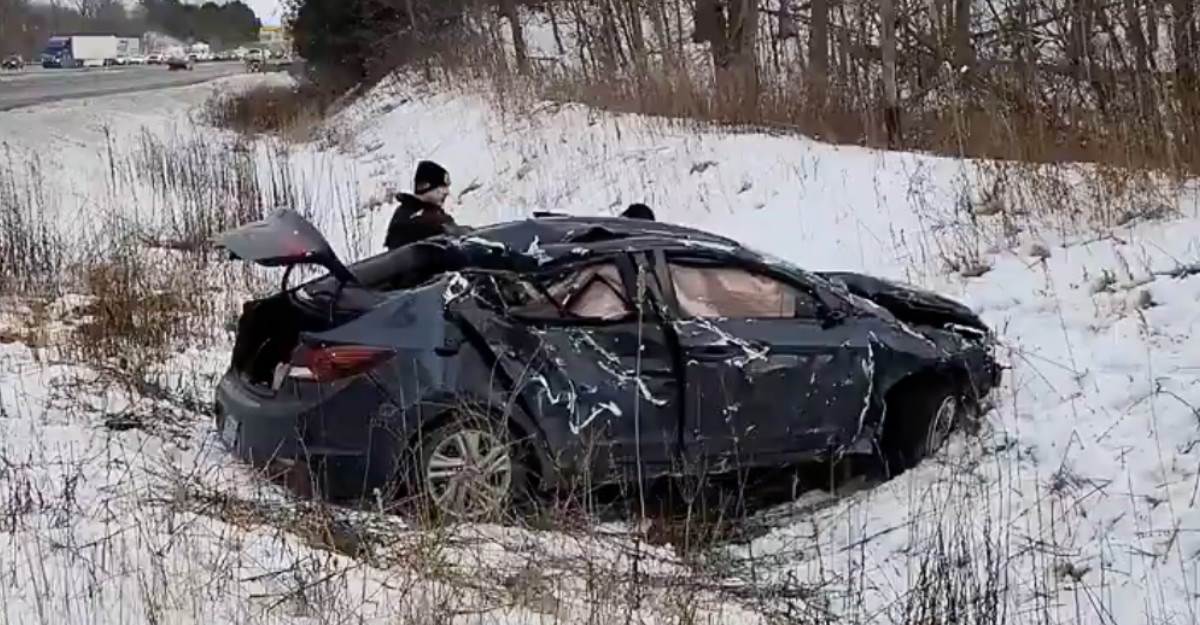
column 787, row 266
column 832, row 286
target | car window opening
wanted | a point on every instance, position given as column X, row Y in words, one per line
column 730, row 292
column 594, row 292
column 598, row 300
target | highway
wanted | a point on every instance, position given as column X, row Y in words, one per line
column 35, row 85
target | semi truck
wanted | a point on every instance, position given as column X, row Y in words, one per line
column 80, row 51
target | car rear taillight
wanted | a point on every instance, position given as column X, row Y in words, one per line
column 324, row 364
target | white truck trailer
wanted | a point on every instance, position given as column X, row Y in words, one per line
column 80, row 51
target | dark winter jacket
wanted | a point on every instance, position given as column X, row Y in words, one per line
column 416, row 220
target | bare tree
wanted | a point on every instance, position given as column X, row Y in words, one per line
column 508, row 8
column 1183, row 34
column 891, row 97
column 818, row 52
column 731, row 29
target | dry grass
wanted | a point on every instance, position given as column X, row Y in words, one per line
column 1030, row 146
column 122, row 290
column 292, row 111
column 32, row 251
column 133, row 316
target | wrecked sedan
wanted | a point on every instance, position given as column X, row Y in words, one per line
column 474, row 369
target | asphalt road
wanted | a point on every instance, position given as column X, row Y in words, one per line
column 38, row 86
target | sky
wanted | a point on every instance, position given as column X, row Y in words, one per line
column 268, row 11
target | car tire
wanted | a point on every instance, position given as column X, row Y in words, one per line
column 920, row 419
column 468, row 470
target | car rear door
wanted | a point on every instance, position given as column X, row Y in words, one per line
column 769, row 374
column 601, row 376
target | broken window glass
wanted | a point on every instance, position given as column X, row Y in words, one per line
column 594, row 292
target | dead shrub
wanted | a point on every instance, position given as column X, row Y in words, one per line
column 133, row 314
column 31, row 247
column 289, row 111
column 201, row 186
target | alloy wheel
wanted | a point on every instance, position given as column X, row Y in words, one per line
column 469, row 473
column 941, row 425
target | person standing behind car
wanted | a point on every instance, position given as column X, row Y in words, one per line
column 421, row 214
column 638, row 211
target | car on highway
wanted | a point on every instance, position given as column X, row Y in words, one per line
column 474, row 369
column 12, row 62
column 154, row 59
column 181, row 62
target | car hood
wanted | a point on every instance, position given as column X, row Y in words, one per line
column 907, row 303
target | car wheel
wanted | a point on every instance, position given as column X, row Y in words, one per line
column 919, row 422
column 469, row 471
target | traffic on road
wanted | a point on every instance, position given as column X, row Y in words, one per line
column 38, row 86
column 78, row 66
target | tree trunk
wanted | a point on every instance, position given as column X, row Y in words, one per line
column 743, row 39
column 558, row 42
column 708, row 22
column 508, row 8
column 964, row 52
column 734, row 54
column 589, row 62
column 1153, row 20
column 662, row 33
column 1137, row 38
column 891, row 98
column 1026, row 54
column 635, row 35
column 1183, row 35
column 1143, row 83
column 818, row 53
column 610, row 38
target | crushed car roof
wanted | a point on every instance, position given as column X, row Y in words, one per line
column 579, row 230
column 553, row 239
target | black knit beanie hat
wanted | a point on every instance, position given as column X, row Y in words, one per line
column 430, row 175
column 638, row 211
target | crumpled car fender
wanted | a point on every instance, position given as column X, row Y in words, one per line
column 907, row 303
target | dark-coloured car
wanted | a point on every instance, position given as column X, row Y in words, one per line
column 529, row 355
column 179, row 62
column 12, row 62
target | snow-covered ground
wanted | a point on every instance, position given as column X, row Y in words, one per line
column 1076, row 503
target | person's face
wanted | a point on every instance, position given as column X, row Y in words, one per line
column 438, row 195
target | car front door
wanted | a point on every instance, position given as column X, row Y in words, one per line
column 769, row 375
